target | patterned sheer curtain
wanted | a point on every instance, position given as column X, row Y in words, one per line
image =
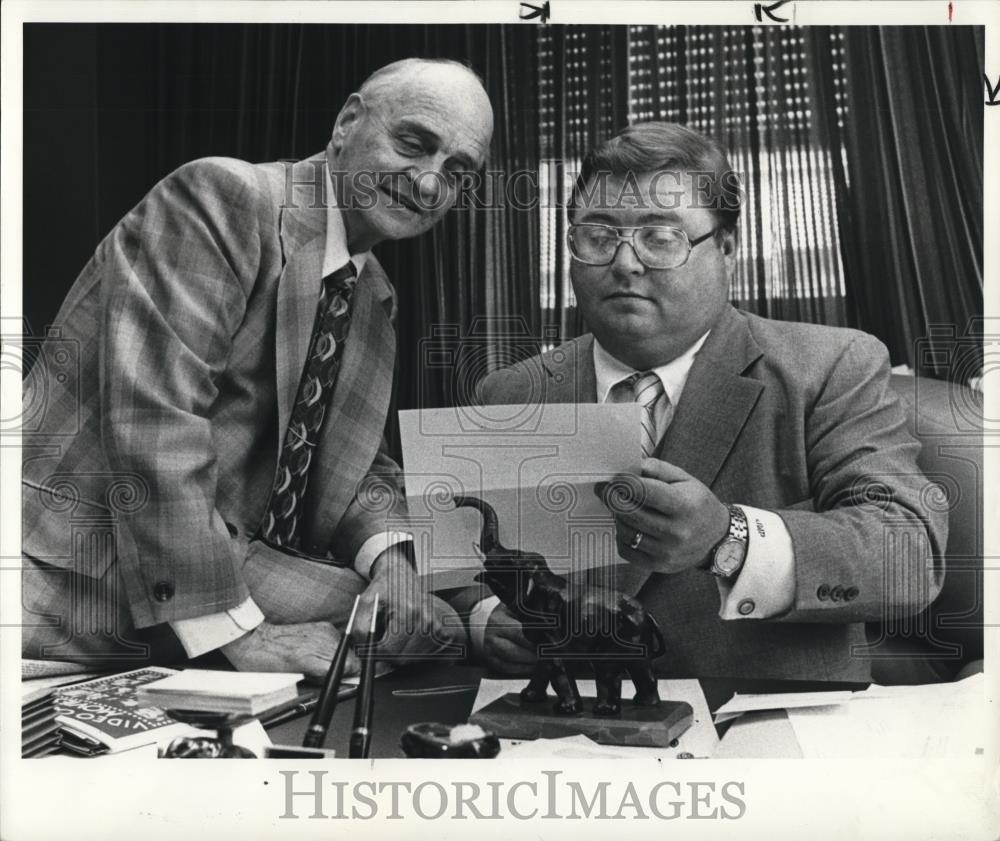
column 750, row 88
column 583, row 98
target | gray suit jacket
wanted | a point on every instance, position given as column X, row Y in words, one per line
column 187, row 333
column 798, row 419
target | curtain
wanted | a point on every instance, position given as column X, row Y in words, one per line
column 910, row 193
column 584, row 95
column 750, row 89
column 469, row 290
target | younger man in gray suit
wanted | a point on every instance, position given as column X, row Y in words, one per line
column 782, row 499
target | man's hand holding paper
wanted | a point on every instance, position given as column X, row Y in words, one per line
column 676, row 520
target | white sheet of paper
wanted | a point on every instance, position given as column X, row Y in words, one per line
column 753, row 702
column 700, row 740
column 573, row 747
column 536, row 465
column 942, row 721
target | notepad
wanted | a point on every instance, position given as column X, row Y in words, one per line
column 250, row 693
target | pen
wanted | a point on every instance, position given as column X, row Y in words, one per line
column 361, row 737
column 304, row 703
column 316, row 733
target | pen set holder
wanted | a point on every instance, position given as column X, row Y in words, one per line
column 315, row 737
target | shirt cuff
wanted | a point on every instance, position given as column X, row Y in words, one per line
column 478, row 617
column 202, row 634
column 765, row 587
column 375, row 546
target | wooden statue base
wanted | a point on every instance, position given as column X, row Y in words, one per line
column 655, row 727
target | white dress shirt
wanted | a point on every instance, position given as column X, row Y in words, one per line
column 766, row 585
column 201, row 634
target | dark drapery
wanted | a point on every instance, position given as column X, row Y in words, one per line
column 909, row 192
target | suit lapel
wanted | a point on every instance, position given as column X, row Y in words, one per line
column 569, row 372
column 303, row 243
column 713, row 409
column 716, row 402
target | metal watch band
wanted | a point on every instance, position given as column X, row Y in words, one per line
column 739, row 529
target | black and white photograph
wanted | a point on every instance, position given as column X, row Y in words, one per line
column 577, row 388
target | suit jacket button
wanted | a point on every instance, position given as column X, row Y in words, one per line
column 233, row 531
column 746, row 607
column 851, row 593
column 163, row 591
column 823, row 592
column 837, row 594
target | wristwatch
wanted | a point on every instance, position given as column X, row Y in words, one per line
column 728, row 556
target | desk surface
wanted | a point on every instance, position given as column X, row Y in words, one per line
column 398, row 703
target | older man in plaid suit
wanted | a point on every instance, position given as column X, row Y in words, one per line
column 210, row 473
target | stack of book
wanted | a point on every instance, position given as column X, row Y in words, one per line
column 106, row 716
column 39, row 728
column 238, row 693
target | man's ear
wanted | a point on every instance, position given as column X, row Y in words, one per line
column 354, row 109
column 730, row 248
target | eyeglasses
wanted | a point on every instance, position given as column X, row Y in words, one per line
column 656, row 246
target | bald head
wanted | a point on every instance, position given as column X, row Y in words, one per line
column 388, row 81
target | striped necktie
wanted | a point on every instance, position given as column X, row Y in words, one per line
column 647, row 389
column 281, row 525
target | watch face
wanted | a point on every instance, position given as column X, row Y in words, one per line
column 729, row 557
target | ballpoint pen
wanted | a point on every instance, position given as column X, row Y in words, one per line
column 316, row 732
column 302, row 705
column 361, row 732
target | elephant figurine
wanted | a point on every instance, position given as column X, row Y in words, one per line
column 570, row 621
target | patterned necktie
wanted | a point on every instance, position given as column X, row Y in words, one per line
column 281, row 523
column 647, row 389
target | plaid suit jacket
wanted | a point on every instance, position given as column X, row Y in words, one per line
column 187, row 333
column 801, row 420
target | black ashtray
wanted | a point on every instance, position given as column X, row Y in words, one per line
column 430, row 740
